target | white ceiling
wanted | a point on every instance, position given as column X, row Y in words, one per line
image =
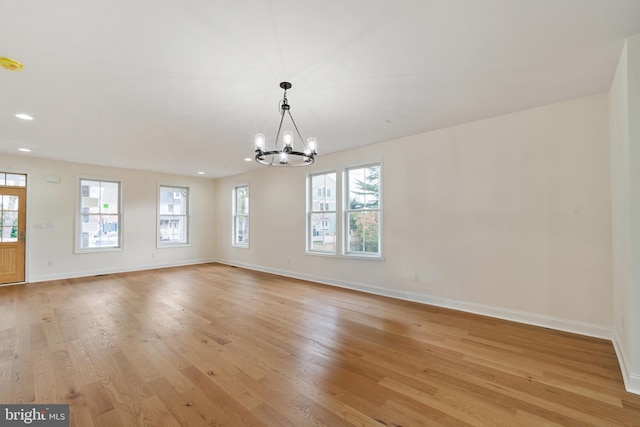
column 182, row 87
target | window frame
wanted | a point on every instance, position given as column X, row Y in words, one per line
column 322, row 210
column 21, row 184
column 235, row 215
column 80, row 215
column 161, row 244
column 4, row 178
column 342, row 211
column 347, row 211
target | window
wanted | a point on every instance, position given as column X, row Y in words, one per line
column 100, row 216
column 356, row 194
column 241, row 215
column 321, row 221
column 362, row 213
column 9, row 214
column 173, row 216
column 13, row 179
column 324, row 192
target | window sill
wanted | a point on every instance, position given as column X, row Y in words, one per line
column 347, row 256
column 173, row 245
column 97, row 250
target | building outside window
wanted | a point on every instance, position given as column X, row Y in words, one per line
column 241, row 215
column 321, row 221
column 362, row 213
column 173, row 216
column 100, row 215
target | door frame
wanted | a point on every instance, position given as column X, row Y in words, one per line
column 27, row 224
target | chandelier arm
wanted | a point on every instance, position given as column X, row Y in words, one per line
column 280, row 127
column 296, row 127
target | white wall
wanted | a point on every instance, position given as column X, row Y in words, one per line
column 624, row 110
column 51, row 220
column 508, row 216
column 633, row 45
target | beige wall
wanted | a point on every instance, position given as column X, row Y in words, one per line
column 508, row 216
column 51, row 220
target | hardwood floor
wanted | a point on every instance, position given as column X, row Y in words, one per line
column 216, row 345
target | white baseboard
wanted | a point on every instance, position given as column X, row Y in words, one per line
column 634, row 383
column 551, row 322
column 110, row 270
column 631, row 380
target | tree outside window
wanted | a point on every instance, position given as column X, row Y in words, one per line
column 363, row 213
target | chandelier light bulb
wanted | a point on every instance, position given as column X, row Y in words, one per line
column 312, row 145
column 260, row 142
column 287, row 138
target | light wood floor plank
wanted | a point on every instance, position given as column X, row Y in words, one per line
column 216, row 345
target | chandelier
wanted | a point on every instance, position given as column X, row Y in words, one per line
column 288, row 155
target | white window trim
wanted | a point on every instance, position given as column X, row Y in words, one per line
column 234, row 215
column 309, row 198
column 166, row 245
column 345, row 214
column 78, row 232
column 341, row 214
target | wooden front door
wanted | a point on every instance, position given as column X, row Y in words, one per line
column 13, row 215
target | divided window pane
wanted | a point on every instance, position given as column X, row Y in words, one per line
column 100, row 215
column 173, row 213
column 321, row 220
column 241, row 215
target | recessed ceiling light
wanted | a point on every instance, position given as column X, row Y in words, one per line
column 24, row 116
column 25, row 150
column 248, row 159
column 200, row 173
